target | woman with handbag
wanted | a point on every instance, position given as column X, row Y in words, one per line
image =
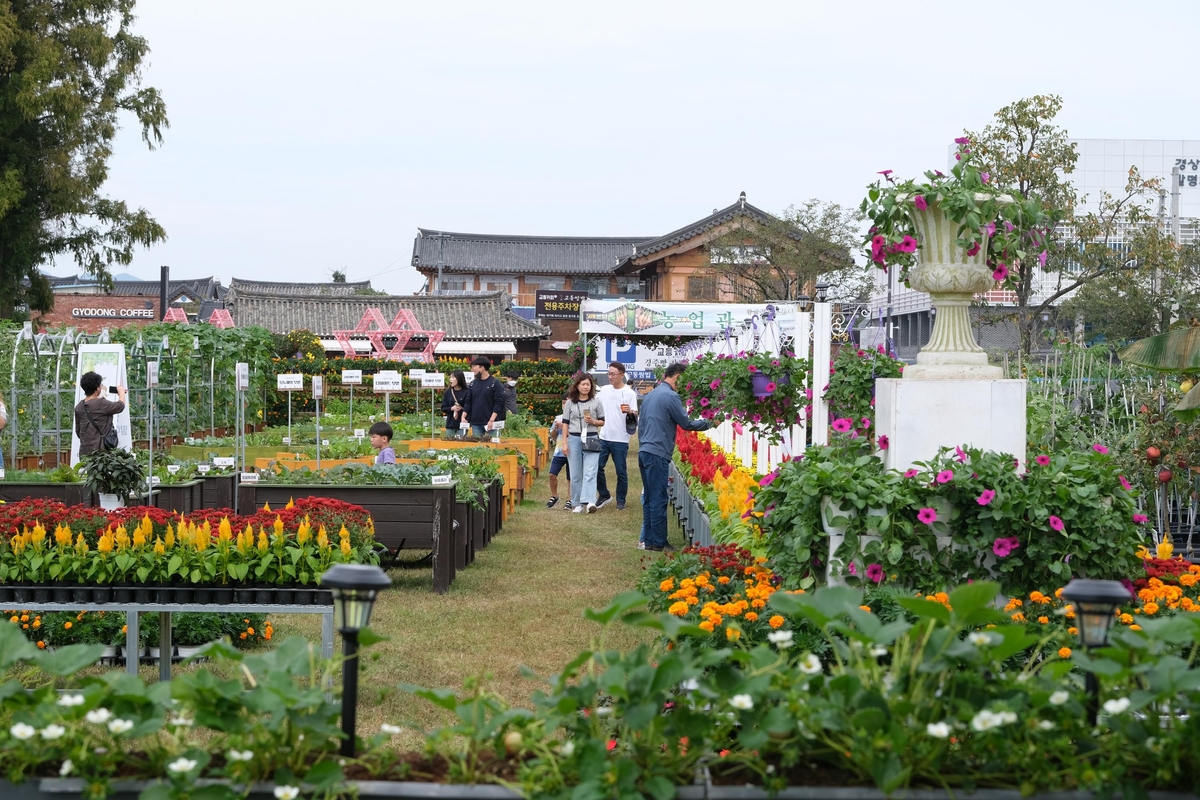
column 452, row 403
column 94, row 415
column 584, row 415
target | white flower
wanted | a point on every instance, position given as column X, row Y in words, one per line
column 979, row 638
column 22, row 731
column 286, row 792
column 743, row 702
column 1046, row 725
column 1117, row 706
column 51, row 732
column 390, row 730
column 603, row 711
column 986, row 720
column 781, row 639
column 182, row 722
column 98, row 716
column 120, row 726
column 879, row 651
column 1059, row 697
column 938, row 730
column 66, row 768
column 181, row 765
column 690, row 685
column 810, row 665
column 241, row 755
column 71, row 700
column 1006, row 717
column 567, row 749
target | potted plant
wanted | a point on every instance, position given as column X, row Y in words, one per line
column 969, row 233
column 115, row 473
column 191, row 633
column 749, row 388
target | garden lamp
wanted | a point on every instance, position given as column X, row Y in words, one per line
column 1094, row 603
column 354, row 588
column 822, row 291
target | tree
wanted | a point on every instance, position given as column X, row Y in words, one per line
column 339, row 276
column 785, row 256
column 68, row 71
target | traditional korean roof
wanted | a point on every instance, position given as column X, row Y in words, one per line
column 298, row 288
column 471, row 317
column 481, row 253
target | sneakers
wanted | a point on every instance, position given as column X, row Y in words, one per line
column 604, row 501
column 591, row 508
column 578, row 509
column 620, row 506
column 641, row 545
column 567, row 506
column 551, row 502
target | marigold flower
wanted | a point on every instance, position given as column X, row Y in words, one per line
column 732, row 634
column 41, row 645
column 1135, row 627
column 243, row 636
column 1150, row 608
column 776, row 621
column 679, row 609
column 667, row 585
column 1044, row 620
column 751, row 616
column 1064, row 652
column 67, row 625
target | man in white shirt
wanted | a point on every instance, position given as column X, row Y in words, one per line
column 618, row 400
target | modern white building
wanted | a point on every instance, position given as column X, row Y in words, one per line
column 1103, row 166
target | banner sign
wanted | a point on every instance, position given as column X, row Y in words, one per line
column 639, row 360
column 109, row 361
column 552, row 304
column 637, row 318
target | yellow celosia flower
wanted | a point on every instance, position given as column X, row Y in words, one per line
column 343, row 534
column 139, row 539
column 278, row 526
column 322, row 538
column 169, row 537
column 262, row 540
column 346, row 547
column 224, row 530
column 122, row 538
column 304, row 532
column 159, row 548
column 290, row 503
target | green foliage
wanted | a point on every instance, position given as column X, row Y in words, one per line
column 69, row 73
column 113, row 472
column 719, row 387
column 851, row 392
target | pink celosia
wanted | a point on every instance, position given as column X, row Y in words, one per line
column 1140, row 519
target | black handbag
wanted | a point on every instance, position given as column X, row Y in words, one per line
column 109, row 441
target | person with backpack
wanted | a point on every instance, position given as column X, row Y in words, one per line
column 94, row 415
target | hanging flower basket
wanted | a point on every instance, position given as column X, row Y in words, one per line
column 764, row 385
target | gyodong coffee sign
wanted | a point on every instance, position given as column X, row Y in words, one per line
column 113, row 313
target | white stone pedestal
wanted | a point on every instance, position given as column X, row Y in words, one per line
column 919, row 417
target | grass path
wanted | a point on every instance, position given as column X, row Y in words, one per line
column 519, row 605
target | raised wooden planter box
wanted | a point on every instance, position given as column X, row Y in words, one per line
column 406, row 517
column 182, row 498
column 72, row 494
column 217, row 491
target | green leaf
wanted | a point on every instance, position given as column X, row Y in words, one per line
column 324, row 775
column 156, row 791
column 925, row 609
column 625, row 601
column 1174, row 351
column 368, row 637
column 659, row 788
column 971, row 597
column 70, row 659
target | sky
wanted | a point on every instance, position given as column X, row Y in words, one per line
column 311, row 137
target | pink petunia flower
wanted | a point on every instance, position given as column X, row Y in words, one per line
column 1101, row 449
column 907, row 245
column 973, row 249
column 716, row 382
column 753, row 368
column 962, row 140
column 842, row 425
column 1140, row 519
column 945, row 476
column 910, row 473
column 927, row 516
column 769, row 388
column 1056, row 524
column 983, row 176
column 852, row 569
column 883, row 442
column 1042, row 259
column 704, row 401
column 986, row 497
column 990, row 229
column 1042, row 461
column 737, row 427
column 769, row 478
column 1124, row 483
column 866, row 422
column 875, row 572
column 960, row 454
column 919, row 202
column 1000, row 272
column 1004, row 546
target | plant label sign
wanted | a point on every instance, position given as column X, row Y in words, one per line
column 464, row 425
column 441, row 480
column 388, row 380
column 324, row 443
column 224, row 461
column 498, row 425
column 318, row 387
column 248, row 477
column 286, row 439
column 172, row 468
column 242, row 371
column 415, row 374
column 189, row 440
column 154, row 480
column 203, row 468
column 289, row 382
column 1, row 474
column 151, row 374
column 495, row 440
column 352, row 377
column 433, row 380
column 359, row 433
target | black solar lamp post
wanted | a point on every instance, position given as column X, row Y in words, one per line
column 822, row 292
column 1094, row 602
column 354, row 588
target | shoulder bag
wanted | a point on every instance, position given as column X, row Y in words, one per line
column 109, row 440
column 589, row 444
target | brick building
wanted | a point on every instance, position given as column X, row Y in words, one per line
column 83, row 304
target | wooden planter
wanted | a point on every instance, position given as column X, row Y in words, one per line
column 217, row 491
column 72, row 494
column 406, row 517
column 182, row 498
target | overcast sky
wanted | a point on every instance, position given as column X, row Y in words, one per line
column 307, row 137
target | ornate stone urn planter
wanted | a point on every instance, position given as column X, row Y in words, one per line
column 952, row 278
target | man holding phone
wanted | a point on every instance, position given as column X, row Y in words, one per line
column 94, row 413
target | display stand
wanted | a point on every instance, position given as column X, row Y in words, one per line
column 388, row 381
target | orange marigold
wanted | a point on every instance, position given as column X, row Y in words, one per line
column 1064, row 652
column 776, row 621
column 723, row 580
column 1150, row 608
column 1135, row 627
column 41, row 645
column 679, row 609
column 751, row 616
column 1044, row 620
column 732, row 634
column 667, row 585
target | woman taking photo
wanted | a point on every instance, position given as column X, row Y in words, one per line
column 452, row 403
column 584, row 415
column 94, row 413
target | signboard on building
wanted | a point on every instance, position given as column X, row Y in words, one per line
column 637, row 318
column 639, row 360
column 550, row 304
column 84, row 312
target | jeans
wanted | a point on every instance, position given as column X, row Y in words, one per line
column 478, row 432
column 654, row 509
column 620, row 455
column 582, row 469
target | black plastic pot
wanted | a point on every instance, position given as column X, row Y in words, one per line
column 41, row 594
column 203, row 596
column 324, row 598
column 6, row 594
column 222, row 597
column 22, row 594
column 123, row 594
column 102, row 594
column 284, row 597
column 81, row 594
column 163, row 594
column 243, row 596
column 264, row 597
column 183, row 595
column 142, row 595
column 302, row 597
column 60, row 594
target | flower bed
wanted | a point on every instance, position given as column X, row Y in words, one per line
column 726, row 490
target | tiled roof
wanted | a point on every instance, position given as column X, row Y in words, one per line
column 724, row 215
column 199, row 289
column 288, row 288
column 206, row 309
column 479, row 253
column 483, row 317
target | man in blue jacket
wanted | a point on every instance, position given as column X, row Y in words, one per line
column 661, row 413
column 484, row 403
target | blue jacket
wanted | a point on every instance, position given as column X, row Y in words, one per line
column 660, row 412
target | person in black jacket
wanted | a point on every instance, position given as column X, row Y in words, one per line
column 452, row 402
column 485, row 398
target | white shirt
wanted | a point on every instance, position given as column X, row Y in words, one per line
column 614, row 418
